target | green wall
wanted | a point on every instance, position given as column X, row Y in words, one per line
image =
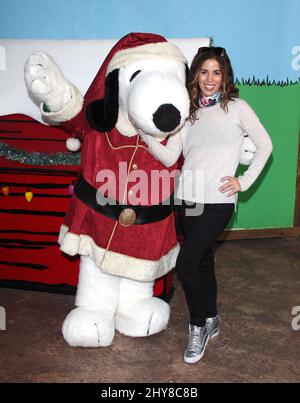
column 270, row 202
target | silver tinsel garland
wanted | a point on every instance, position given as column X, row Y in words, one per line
column 38, row 158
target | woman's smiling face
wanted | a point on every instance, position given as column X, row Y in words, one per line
column 210, row 77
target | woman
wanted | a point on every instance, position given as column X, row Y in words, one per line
column 211, row 144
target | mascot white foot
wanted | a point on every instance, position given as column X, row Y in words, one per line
column 86, row 328
column 139, row 313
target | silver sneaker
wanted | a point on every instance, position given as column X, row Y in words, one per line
column 198, row 339
column 212, row 325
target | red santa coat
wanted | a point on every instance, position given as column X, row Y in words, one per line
column 142, row 252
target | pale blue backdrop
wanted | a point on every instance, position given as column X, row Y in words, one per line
column 261, row 36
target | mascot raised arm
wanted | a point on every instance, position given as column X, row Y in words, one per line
column 121, row 220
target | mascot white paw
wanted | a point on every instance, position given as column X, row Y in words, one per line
column 46, row 82
column 248, row 150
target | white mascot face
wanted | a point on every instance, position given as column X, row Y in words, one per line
column 153, row 96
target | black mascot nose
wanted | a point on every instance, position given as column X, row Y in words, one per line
column 166, row 118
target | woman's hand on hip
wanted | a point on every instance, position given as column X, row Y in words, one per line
column 231, row 185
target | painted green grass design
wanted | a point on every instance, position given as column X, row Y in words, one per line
column 266, row 82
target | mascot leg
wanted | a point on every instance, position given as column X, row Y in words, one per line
column 139, row 313
column 92, row 323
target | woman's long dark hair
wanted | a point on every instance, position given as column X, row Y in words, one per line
column 228, row 88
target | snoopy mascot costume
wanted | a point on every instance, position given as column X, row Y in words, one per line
column 123, row 230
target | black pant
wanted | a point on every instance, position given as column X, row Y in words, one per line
column 195, row 262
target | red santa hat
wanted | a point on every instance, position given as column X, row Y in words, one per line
column 129, row 49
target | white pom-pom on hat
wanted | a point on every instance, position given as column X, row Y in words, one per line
column 73, row 144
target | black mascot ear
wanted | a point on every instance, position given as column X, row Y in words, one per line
column 102, row 114
column 187, row 73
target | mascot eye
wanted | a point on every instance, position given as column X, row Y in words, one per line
column 134, row 75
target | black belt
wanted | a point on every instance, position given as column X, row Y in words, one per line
column 125, row 214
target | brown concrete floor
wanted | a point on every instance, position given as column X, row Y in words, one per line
column 259, row 284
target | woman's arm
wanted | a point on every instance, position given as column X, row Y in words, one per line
column 261, row 139
column 167, row 154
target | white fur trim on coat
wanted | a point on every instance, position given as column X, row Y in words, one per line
column 159, row 50
column 69, row 111
column 116, row 263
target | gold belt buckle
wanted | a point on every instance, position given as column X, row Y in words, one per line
column 127, row 217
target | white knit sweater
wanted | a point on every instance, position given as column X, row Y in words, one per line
column 211, row 149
